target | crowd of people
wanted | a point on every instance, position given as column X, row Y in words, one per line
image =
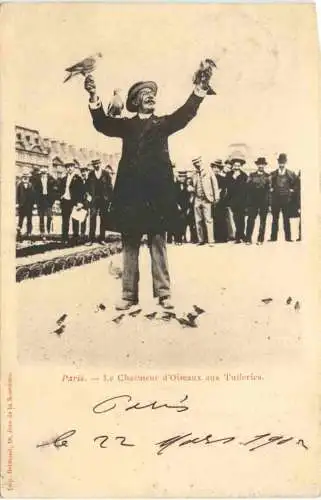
column 82, row 194
column 216, row 203
column 221, row 203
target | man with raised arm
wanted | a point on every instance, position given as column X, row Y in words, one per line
column 144, row 198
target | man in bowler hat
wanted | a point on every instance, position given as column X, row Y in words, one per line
column 258, row 194
column 99, row 190
column 72, row 195
column 144, row 197
column 282, row 187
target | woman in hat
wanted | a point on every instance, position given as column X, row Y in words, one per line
column 258, row 200
column 144, row 198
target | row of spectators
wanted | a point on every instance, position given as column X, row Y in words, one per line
column 80, row 190
column 216, row 204
column 221, row 203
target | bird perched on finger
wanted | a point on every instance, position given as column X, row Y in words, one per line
column 84, row 67
column 116, row 105
column 289, row 300
column 297, row 306
column 203, row 75
column 114, row 270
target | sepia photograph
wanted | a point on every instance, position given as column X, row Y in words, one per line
column 158, row 188
column 160, row 197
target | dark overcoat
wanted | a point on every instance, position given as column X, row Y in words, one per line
column 52, row 188
column 77, row 189
column 144, row 198
column 105, row 182
column 258, row 190
column 283, row 197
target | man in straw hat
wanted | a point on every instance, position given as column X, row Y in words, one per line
column 206, row 195
column 283, row 183
column 144, row 198
column 258, row 200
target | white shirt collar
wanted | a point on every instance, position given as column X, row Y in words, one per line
column 144, row 116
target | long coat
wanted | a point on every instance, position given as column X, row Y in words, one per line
column 237, row 191
column 144, row 193
column 285, row 196
column 106, row 186
column 258, row 190
column 52, row 188
column 25, row 197
column 76, row 188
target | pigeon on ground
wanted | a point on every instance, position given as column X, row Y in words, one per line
column 135, row 313
column 100, row 307
column 192, row 316
column 118, row 318
column 267, row 300
column 60, row 330
column 168, row 315
column 151, row 315
column 83, row 67
column 297, row 306
column 185, row 322
column 199, row 310
column 114, row 270
column 116, row 105
column 289, row 300
column 61, row 319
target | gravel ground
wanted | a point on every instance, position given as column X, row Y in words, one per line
column 228, row 281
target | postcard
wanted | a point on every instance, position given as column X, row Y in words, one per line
column 160, row 230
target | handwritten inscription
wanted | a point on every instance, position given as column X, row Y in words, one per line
column 125, row 402
column 122, row 402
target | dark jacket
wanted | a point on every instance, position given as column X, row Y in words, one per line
column 237, row 191
column 144, row 198
column 106, row 187
column 258, row 190
column 25, row 197
column 52, row 188
column 77, row 189
column 283, row 195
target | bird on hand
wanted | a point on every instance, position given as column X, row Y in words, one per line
column 116, row 105
column 84, row 67
column 203, row 75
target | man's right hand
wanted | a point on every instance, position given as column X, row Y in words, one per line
column 90, row 87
